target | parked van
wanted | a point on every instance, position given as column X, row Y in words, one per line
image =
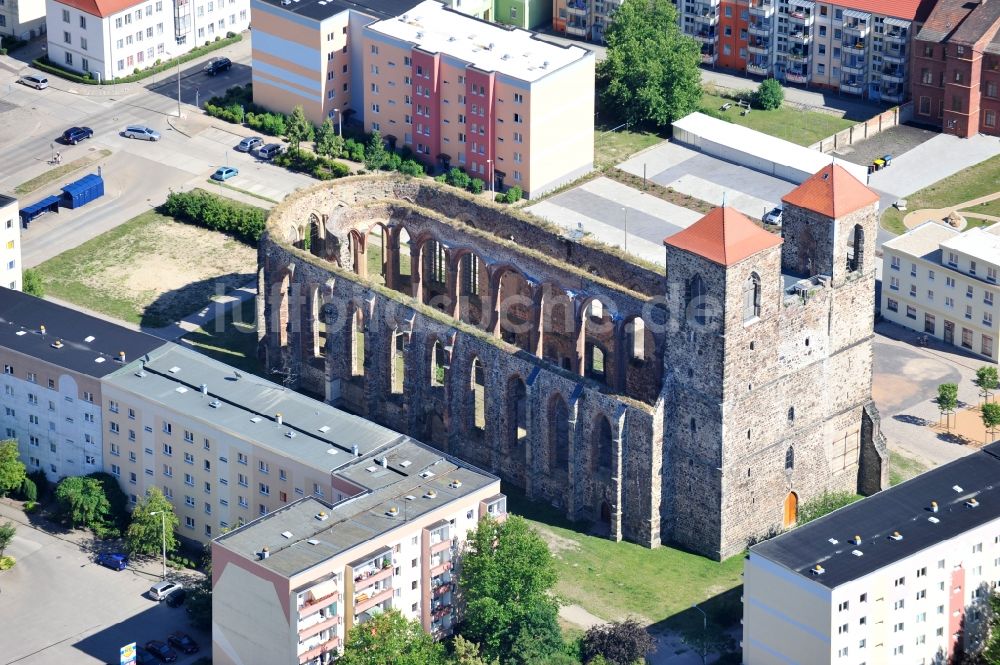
column 34, row 81
column 162, row 589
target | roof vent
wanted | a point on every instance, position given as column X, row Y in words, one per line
column 255, row 419
column 264, row 553
column 934, row 506
column 896, row 535
column 313, row 541
column 286, row 534
column 322, row 516
column 277, row 418
column 371, row 469
column 826, row 176
column 957, row 488
column 204, row 389
column 857, row 553
column 392, row 511
column 451, row 38
column 972, row 503
column 285, row 3
column 818, row 570
column 355, row 451
column 420, row 35
column 89, row 338
column 430, row 494
column 180, row 389
column 121, row 357
column 331, row 451
column 215, row 404
column 385, row 462
column 290, row 434
column 490, row 47
column 405, row 463
column 410, row 497
column 99, row 360
column 19, row 333
column 833, row 541
column 426, row 473
column 57, row 344
column 324, row 429
column 856, row 540
column 41, row 329
column 455, row 484
column 174, row 369
column 933, row 520
column 545, row 65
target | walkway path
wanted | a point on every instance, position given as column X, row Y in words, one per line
column 918, row 217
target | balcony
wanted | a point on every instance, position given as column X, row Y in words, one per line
column 897, row 56
column 318, row 651
column 706, row 17
column 852, row 87
column 852, row 47
column 441, row 611
column 369, row 578
column 705, row 36
column 759, row 47
column 316, row 629
column 857, row 67
column 761, row 8
column 316, row 605
column 855, row 30
column 896, row 95
column 440, row 546
column 760, row 29
column 709, row 58
column 363, row 601
column 796, row 77
column 898, row 37
column 443, row 589
column 757, row 70
column 576, row 8
column 893, row 75
column 578, row 30
column 442, row 567
column 800, row 18
column 796, row 55
column 800, row 36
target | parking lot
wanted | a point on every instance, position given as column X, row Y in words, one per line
column 58, row 606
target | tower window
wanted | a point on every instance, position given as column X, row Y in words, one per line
column 789, row 459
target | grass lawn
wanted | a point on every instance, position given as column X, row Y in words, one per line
column 59, row 172
column 616, row 580
column 151, row 270
column 973, row 182
column 902, row 468
column 614, row 147
column 229, row 341
column 791, row 124
column 216, row 183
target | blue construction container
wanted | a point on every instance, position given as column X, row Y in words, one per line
column 83, row 191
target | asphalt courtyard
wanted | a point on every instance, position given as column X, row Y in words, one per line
column 58, row 606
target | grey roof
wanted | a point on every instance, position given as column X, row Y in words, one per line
column 319, row 10
column 352, row 523
column 246, row 406
column 86, row 344
column 923, row 241
column 6, row 200
column 904, row 508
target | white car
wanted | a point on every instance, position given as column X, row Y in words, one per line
column 773, row 217
column 141, row 132
column 163, row 589
column 34, row 81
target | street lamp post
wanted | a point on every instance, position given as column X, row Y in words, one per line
column 625, row 210
column 704, row 629
column 163, row 525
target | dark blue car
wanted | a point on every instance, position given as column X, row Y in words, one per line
column 113, row 560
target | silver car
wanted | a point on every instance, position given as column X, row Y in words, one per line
column 34, row 81
column 141, row 132
column 163, row 589
column 249, row 143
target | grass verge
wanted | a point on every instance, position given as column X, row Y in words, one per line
column 230, row 340
column 614, row 147
column 902, row 468
column 59, row 172
column 789, row 123
column 616, row 580
column 216, row 183
column 966, row 185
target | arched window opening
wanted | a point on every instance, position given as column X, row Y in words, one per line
column 637, row 339
column 698, row 309
column 438, row 367
column 358, row 344
column 694, row 426
column 791, row 413
column 603, row 443
column 405, row 258
column 319, row 322
column 398, row 362
column 595, row 310
column 855, row 253
column 596, row 368
column 789, row 459
column 751, row 298
column 314, row 239
column 558, row 435
column 471, row 274
column 438, row 262
column 517, row 404
column 376, row 254
column 478, row 396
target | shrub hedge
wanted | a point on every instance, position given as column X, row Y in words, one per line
column 201, row 208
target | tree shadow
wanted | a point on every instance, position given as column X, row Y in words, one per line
column 912, row 420
column 951, row 437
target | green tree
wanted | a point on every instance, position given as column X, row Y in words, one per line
column 769, row 95
column 29, row 490
column 650, row 74
column 146, row 531
column 991, row 647
column 619, row 642
column 12, row 472
column 83, row 500
column 390, row 639
column 986, row 380
column 947, row 400
column 990, row 414
column 465, row 652
column 7, row 531
column 376, row 156
column 31, row 283
column 298, row 128
column 507, row 575
column 327, row 141
column 827, row 502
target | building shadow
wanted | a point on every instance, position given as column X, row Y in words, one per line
column 194, row 297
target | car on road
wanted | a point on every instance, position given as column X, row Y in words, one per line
column 269, row 151
column 249, row 143
column 74, row 135
column 161, row 590
column 112, row 560
column 183, row 642
column 176, row 598
column 224, row 173
column 143, row 657
column 218, row 65
column 34, row 81
column 162, row 651
column 141, row 132
column 773, row 217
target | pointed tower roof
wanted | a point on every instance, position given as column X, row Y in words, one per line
column 724, row 236
column 832, row 192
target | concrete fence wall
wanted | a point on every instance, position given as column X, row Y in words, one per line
column 863, row 130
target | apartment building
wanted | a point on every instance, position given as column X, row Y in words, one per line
column 943, row 283
column 859, row 47
column 115, row 38
column 502, row 104
column 22, row 18
column 53, row 361
column 900, row 577
column 586, row 19
column 956, row 66
column 314, row 569
column 525, row 14
column 10, row 244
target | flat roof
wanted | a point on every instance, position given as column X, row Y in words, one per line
column 828, row 541
column 922, row 241
column 312, row 432
column 319, row 10
column 979, row 243
column 76, row 341
column 764, row 146
column 517, row 53
column 7, row 200
column 298, row 539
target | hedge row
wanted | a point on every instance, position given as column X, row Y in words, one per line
column 319, row 167
column 46, row 65
column 199, row 207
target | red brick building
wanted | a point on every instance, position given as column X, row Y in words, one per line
column 956, row 68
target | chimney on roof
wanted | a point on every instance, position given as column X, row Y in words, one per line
column 41, row 329
column 277, row 418
column 385, row 462
column 204, row 389
column 934, row 506
column 121, row 356
column 354, row 451
column 264, row 553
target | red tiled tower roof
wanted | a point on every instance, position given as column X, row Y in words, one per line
column 724, row 236
column 832, row 192
column 102, row 8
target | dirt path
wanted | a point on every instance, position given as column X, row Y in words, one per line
column 918, row 217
